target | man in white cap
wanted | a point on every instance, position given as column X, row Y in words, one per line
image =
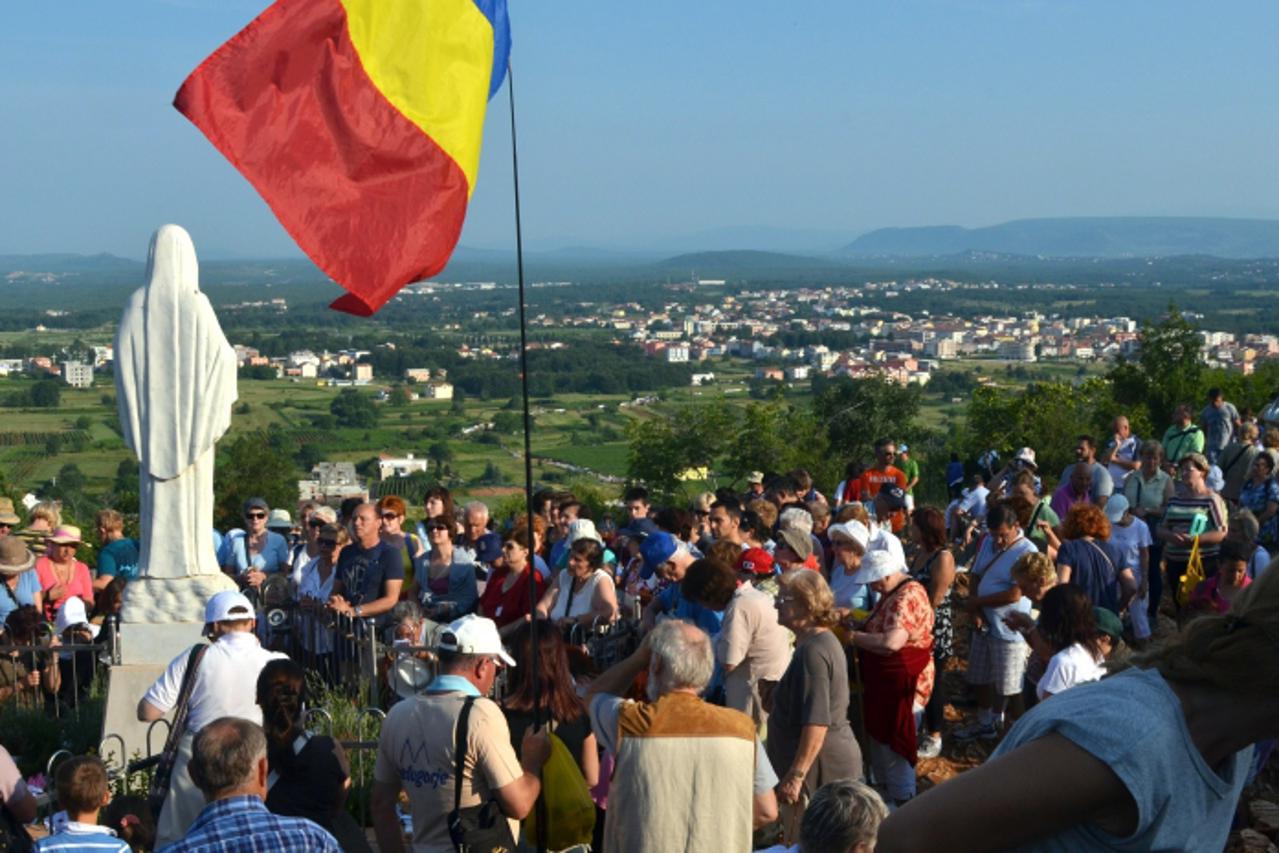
column 416, row 751
column 224, row 685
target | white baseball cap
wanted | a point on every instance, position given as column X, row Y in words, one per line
column 71, row 613
column 279, row 520
column 228, row 606
column 473, row 635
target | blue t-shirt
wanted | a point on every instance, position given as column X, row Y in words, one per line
column 119, row 559
column 1133, row 723
column 362, row 571
column 273, row 557
column 674, row 604
column 25, row 593
column 1094, row 568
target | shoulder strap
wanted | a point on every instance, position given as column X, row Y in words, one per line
column 1102, row 551
column 183, row 706
column 1239, row 454
column 459, row 750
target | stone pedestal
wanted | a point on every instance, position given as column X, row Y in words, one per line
column 161, row 617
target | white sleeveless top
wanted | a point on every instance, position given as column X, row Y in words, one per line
column 568, row 604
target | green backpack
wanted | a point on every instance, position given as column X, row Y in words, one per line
column 570, row 811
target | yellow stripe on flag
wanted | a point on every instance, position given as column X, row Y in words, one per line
column 432, row 61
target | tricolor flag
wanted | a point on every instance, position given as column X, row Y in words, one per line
column 359, row 122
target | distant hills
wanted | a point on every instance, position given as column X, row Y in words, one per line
column 1084, row 237
column 1115, row 248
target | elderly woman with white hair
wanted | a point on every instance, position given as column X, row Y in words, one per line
column 896, row 646
column 849, row 542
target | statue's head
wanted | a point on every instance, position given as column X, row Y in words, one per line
column 171, row 260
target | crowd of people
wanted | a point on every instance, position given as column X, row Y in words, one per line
column 783, row 666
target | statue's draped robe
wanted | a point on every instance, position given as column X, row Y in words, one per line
column 176, row 383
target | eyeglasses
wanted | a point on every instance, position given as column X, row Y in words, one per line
column 328, row 543
column 255, row 515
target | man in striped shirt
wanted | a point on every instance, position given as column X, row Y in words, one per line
column 228, row 762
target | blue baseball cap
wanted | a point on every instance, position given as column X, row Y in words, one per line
column 655, row 550
column 639, row 528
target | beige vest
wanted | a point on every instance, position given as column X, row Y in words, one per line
column 684, row 780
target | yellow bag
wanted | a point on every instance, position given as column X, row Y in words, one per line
column 570, row 811
column 1194, row 574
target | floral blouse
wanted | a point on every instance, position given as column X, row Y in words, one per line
column 909, row 608
column 1255, row 497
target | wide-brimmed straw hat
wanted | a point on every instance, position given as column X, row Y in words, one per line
column 15, row 556
column 67, row 534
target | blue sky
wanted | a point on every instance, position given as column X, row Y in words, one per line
column 644, row 122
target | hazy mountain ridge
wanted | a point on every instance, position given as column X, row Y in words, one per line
column 1082, row 237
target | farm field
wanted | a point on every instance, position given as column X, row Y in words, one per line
column 576, row 438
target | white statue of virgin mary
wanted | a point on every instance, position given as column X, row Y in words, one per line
column 175, row 377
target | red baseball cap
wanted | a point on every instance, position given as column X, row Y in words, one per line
column 756, row 561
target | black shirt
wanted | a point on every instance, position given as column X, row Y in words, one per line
column 363, row 571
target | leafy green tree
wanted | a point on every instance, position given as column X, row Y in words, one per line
column 508, row 422
column 776, row 437
column 1166, row 373
column 439, row 453
column 249, row 467
column 399, row 396
column 1046, row 416
column 857, row 412
column 46, row 394
column 68, row 487
column 308, row 456
column 353, row 409
column 661, row 449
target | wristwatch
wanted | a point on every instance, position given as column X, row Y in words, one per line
column 358, row 610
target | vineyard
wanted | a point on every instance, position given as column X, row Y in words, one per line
column 39, row 439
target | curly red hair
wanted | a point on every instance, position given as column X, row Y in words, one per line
column 1085, row 520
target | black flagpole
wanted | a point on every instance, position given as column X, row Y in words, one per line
column 528, row 447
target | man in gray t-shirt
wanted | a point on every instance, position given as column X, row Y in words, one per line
column 1220, row 420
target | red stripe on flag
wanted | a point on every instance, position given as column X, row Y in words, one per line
column 373, row 200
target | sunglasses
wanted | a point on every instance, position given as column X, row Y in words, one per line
column 327, row 543
column 511, row 546
column 390, row 516
column 316, row 522
column 434, row 527
column 255, row 515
